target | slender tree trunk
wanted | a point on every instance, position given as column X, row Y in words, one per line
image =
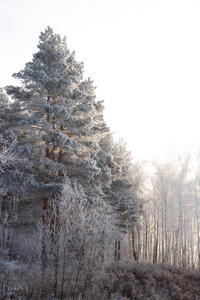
column 155, row 251
column 198, row 244
column 44, row 224
column 176, row 243
column 192, row 247
column 56, row 272
column 133, row 244
column 63, row 274
column 44, row 260
column 3, row 227
column 163, row 245
column 139, row 244
column 119, row 250
column 44, row 218
column 166, row 238
column 146, row 239
column 117, row 254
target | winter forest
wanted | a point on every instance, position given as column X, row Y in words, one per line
column 80, row 218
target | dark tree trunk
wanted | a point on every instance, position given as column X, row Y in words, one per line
column 117, row 254
column 133, row 244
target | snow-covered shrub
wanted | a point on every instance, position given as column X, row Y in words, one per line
column 73, row 237
column 151, row 281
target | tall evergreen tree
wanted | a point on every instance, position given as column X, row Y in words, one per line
column 59, row 130
column 61, row 120
column 57, row 123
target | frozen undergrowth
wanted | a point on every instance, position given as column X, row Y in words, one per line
column 121, row 280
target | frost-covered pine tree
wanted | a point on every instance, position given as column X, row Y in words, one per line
column 115, row 161
column 59, row 130
column 56, row 124
column 59, row 121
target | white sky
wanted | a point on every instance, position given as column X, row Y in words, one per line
column 143, row 55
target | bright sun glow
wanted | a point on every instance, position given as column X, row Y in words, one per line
column 144, row 58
